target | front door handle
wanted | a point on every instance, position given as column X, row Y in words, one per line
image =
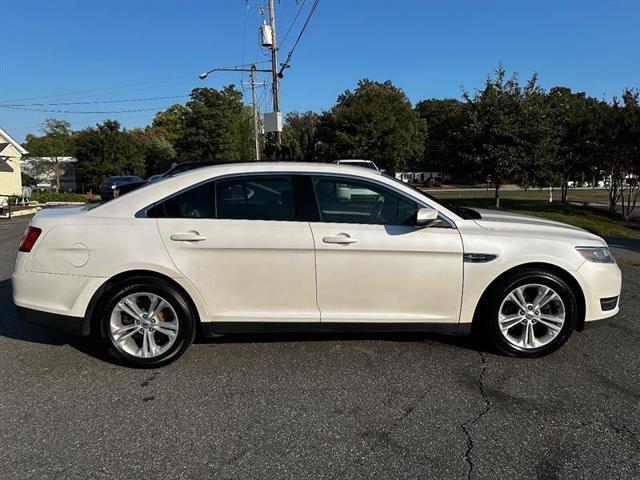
column 187, row 237
column 341, row 238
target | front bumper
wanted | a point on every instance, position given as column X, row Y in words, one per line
column 64, row 323
column 600, row 284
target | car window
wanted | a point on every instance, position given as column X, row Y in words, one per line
column 256, row 198
column 197, row 202
column 343, row 200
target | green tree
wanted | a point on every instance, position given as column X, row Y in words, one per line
column 170, row 122
column 620, row 149
column 215, row 126
column 374, row 122
column 574, row 119
column 504, row 146
column 107, row 149
column 46, row 151
column 157, row 150
column 299, row 138
column 447, row 123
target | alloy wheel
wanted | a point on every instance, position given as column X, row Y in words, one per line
column 531, row 316
column 143, row 325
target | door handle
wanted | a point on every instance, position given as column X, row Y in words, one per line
column 341, row 238
column 187, row 237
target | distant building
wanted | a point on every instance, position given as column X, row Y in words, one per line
column 422, row 177
column 42, row 169
column 11, row 153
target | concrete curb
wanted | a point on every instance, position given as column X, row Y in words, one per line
column 20, row 213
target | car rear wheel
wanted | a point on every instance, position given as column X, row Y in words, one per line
column 145, row 322
column 530, row 313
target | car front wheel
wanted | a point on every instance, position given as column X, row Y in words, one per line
column 145, row 322
column 530, row 313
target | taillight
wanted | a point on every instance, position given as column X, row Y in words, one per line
column 29, row 238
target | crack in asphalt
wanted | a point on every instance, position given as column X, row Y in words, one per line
column 467, row 425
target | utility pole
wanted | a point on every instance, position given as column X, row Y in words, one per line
column 274, row 63
column 256, row 123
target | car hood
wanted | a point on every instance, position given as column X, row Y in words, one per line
column 534, row 226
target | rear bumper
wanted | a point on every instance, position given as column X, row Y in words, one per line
column 64, row 323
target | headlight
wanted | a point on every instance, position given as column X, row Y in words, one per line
column 596, row 254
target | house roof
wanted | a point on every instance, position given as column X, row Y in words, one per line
column 5, row 137
column 9, row 151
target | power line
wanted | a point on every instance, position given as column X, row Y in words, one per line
column 90, row 102
column 154, row 109
column 293, row 22
column 304, row 27
column 118, row 87
column 92, row 90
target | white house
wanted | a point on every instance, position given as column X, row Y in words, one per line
column 43, row 170
column 10, row 154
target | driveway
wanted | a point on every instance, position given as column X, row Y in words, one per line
column 349, row 406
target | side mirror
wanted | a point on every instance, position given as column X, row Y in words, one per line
column 426, row 216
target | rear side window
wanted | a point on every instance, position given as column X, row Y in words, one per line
column 344, row 200
column 256, row 198
column 196, row 202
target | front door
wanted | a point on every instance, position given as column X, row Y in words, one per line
column 374, row 265
column 243, row 242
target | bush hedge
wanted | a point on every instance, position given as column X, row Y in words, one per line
column 44, row 197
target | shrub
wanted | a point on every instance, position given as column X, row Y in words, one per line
column 44, row 197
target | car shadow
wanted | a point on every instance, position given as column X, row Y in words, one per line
column 12, row 327
column 624, row 243
column 466, row 342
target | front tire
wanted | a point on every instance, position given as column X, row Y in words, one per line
column 530, row 313
column 145, row 322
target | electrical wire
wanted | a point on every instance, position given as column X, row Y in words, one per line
column 90, row 102
column 153, row 109
column 304, row 27
column 293, row 22
column 100, row 89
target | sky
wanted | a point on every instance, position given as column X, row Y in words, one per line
column 109, row 52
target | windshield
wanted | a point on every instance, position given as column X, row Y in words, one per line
column 463, row 212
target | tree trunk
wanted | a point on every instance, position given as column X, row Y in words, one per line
column 57, row 170
column 564, row 187
column 497, row 195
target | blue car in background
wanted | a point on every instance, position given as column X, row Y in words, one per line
column 115, row 186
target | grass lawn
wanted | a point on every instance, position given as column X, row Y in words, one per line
column 590, row 219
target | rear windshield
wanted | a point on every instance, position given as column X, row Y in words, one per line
column 370, row 165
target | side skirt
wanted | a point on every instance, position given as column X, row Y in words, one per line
column 222, row 328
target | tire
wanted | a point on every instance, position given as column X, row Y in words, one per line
column 539, row 331
column 125, row 324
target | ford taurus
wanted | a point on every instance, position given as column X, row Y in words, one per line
column 291, row 247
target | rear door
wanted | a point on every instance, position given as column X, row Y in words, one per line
column 245, row 244
column 375, row 265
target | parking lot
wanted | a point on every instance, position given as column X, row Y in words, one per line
column 302, row 406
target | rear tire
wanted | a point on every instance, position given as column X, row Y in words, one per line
column 529, row 313
column 145, row 322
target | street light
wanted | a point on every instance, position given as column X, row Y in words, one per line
column 204, row 75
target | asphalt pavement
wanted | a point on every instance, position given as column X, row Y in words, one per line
column 300, row 406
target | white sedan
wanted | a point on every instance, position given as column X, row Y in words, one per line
column 286, row 247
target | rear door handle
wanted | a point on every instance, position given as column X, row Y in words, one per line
column 187, row 237
column 341, row 238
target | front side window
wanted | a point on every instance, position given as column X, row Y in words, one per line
column 343, row 200
column 256, row 198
